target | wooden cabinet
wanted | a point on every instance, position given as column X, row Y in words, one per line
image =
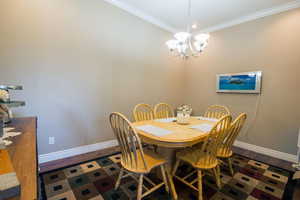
column 23, row 154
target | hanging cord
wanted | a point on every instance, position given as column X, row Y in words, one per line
column 189, row 16
column 250, row 126
column 189, row 19
column 252, row 123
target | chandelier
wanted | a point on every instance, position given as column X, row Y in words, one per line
column 186, row 44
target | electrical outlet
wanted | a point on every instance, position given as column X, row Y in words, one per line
column 51, row 140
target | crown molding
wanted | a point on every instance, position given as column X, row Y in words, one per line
column 254, row 16
column 138, row 13
column 263, row 13
column 260, row 14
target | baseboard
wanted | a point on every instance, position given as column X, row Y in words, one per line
column 267, row 151
column 111, row 143
column 43, row 158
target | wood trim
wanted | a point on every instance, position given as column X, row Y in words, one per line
column 69, row 153
column 43, row 158
column 266, row 151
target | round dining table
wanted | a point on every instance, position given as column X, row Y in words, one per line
column 169, row 136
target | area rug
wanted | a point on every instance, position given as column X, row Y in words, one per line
column 94, row 180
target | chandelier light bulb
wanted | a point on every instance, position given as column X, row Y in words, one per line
column 182, row 36
column 182, row 48
column 200, row 46
column 172, row 44
column 194, row 26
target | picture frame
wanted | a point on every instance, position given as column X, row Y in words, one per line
column 245, row 82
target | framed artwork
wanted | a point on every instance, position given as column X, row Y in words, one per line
column 246, row 82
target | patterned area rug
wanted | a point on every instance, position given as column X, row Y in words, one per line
column 94, row 180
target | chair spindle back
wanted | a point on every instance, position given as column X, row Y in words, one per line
column 216, row 111
column 217, row 134
column 128, row 140
column 233, row 132
column 163, row 110
column 142, row 112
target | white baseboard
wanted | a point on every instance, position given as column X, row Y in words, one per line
column 76, row 151
column 111, row 143
column 267, row 151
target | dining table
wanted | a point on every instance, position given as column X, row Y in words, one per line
column 170, row 136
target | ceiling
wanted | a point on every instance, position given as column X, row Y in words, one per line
column 209, row 15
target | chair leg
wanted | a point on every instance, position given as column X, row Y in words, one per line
column 119, row 178
column 199, row 185
column 230, row 166
column 163, row 172
column 172, row 187
column 176, row 167
column 140, row 187
column 216, row 171
column 219, row 175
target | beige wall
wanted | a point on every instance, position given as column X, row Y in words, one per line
column 80, row 60
column 271, row 44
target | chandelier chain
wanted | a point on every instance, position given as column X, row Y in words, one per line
column 186, row 44
column 189, row 17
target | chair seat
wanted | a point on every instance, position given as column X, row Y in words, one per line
column 152, row 160
column 197, row 158
column 224, row 152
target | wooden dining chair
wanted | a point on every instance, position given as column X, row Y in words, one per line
column 135, row 162
column 205, row 157
column 216, row 111
column 163, row 110
column 225, row 149
column 142, row 112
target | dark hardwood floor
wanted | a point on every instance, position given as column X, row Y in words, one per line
column 96, row 154
column 263, row 158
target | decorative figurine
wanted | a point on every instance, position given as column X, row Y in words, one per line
column 183, row 114
column 6, row 104
column 4, row 95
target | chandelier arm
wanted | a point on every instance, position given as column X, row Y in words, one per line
column 192, row 48
column 196, row 55
column 193, row 52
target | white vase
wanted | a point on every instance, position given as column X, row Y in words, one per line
column 183, row 118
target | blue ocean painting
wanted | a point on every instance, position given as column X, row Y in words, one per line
column 237, row 82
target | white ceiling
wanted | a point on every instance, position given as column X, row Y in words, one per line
column 208, row 14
